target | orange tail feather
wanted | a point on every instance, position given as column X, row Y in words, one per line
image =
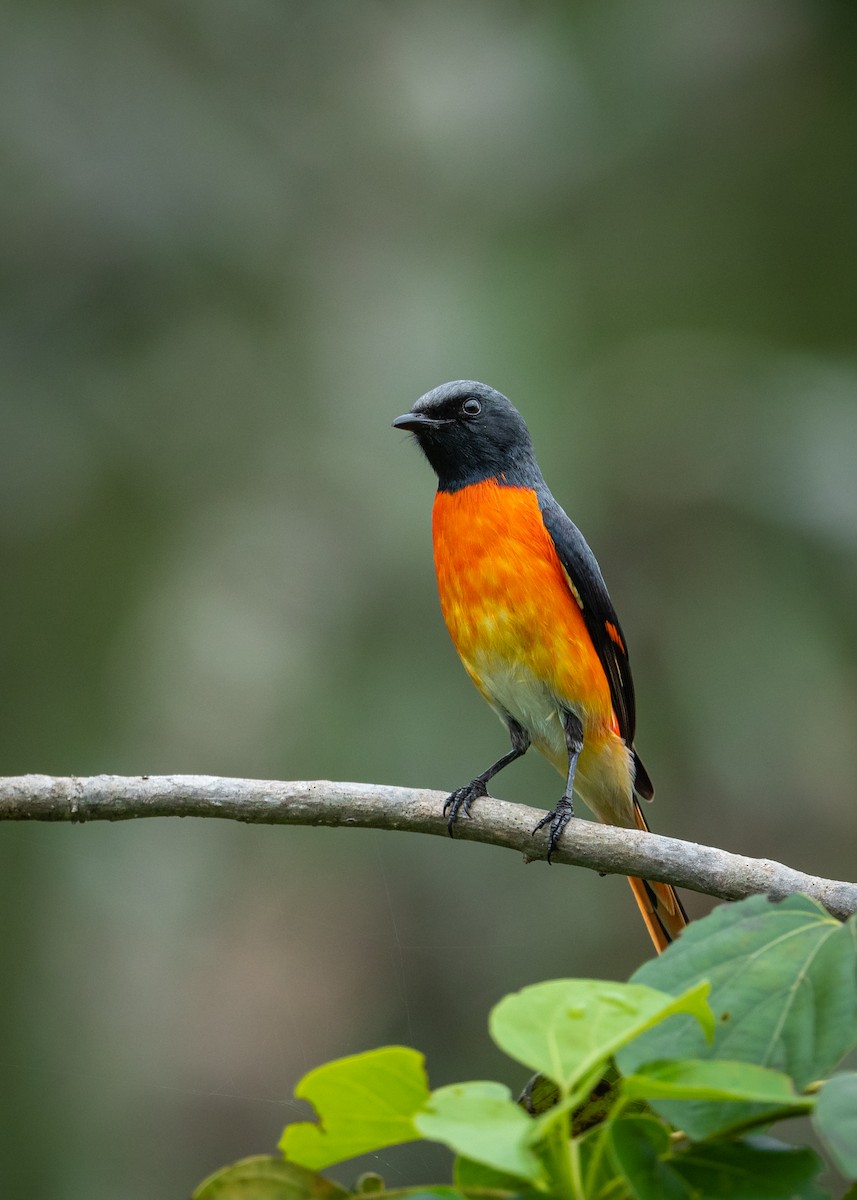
column 658, row 903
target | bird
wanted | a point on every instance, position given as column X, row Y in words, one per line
column 529, row 613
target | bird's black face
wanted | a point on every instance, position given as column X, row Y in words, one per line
column 469, row 432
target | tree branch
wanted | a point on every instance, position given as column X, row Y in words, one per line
column 603, row 848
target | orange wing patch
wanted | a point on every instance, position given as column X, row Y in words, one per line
column 614, row 636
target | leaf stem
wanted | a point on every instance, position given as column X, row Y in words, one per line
column 566, row 1169
column 573, row 1159
column 598, row 1151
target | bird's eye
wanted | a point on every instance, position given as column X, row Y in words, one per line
column 471, row 407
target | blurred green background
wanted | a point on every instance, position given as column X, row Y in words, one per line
column 237, row 241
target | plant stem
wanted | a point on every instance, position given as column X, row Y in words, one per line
column 573, row 1156
column 598, row 1151
column 567, row 1178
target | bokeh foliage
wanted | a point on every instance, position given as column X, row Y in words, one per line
column 238, row 240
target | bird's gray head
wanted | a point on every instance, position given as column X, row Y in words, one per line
column 470, row 432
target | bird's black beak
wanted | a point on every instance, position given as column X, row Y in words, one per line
column 415, row 421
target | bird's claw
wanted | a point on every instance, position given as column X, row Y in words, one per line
column 558, row 819
column 462, row 798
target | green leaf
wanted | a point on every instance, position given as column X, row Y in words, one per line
column 783, row 989
column 439, row 1191
column 468, row 1174
column 637, row 1147
column 364, row 1102
column 835, row 1118
column 263, row 1178
column 539, row 1095
column 567, row 1027
column 482, row 1121
column 702, row 1079
column 735, row 1093
column 750, row 1171
column 596, row 1165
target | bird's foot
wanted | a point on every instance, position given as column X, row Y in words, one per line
column 558, row 819
column 462, row 798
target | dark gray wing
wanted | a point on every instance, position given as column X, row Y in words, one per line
column 590, row 592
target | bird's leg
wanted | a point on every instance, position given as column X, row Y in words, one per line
column 463, row 797
column 564, row 811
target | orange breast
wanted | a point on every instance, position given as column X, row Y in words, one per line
column 507, row 601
